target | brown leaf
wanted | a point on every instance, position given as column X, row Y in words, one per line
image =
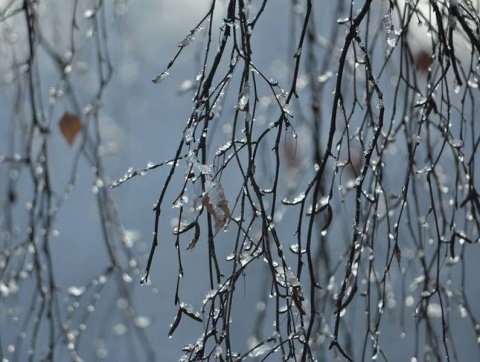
column 217, row 206
column 70, row 125
column 176, row 322
column 195, row 237
column 423, row 60
column 398, row 254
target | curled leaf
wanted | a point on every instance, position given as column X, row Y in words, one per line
column 192, row 314
column 298, row 299
column 176, row 322
column 195, row 237
column 328, row 219
column 216, row 204
column 319, row 206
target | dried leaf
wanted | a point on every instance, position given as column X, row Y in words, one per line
column 195, row 237
column 398, row 254
column 329, row 218
column 423, row 60
column 217, row 206
column 70, row 125
column 321, row 205
column 192, row 314
column 298, row 299
column 452, row 246
column 176, row 322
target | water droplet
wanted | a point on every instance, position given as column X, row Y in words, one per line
column 244, row 97
column 287, row 110
column 456, row 143
column 473, row 83
column 144, row 277
column 150, row 164
column 161, row 77
column 222, row 149
column 421, row 101
column 294, row 248
column 217, row 352
column 190, row 37
column 180, row 202
column 296, row 200
column 189, row 133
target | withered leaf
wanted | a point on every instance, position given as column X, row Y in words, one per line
column 192, row 314
column 176, row 322
column 195, row 237
column 70, row 125
column 398, row 254
column 217, row 206
column 328, row 219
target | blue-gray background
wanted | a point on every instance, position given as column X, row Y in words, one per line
column 142, row 122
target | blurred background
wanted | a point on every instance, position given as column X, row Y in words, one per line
column 88, row 142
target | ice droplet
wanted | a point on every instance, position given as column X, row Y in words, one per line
column 217, row 352
column 421, row 101
column 143, row 277
column 150, row 164
column 197, row 166
column 182, row 200
column 188, row 135
column 222, row 149
column 161, row 77
column 456, row 143
column 389, row 30
column 260, row 350
column 296, row 200
column 287, row 110
column 190, row 37
column 244, row 96
column 295, row 248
